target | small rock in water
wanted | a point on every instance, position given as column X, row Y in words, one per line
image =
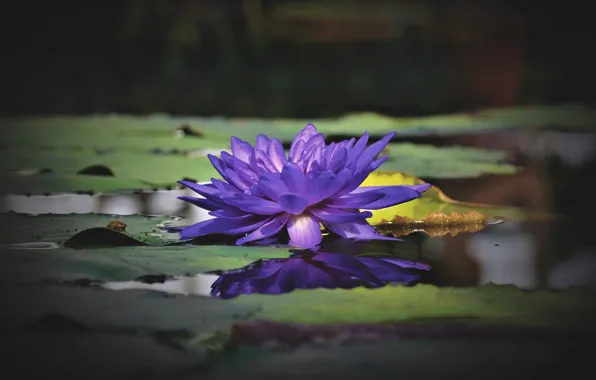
column 99, row 170
column 117, row 225
column 187, row 131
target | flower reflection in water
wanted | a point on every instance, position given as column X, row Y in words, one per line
column 310, row 270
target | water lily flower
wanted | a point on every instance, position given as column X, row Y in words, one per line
column 264, row 191
column 316, row 270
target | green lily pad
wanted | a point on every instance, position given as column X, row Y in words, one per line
column 62, row 183
column 127, row 263
column 131, row 171
column 493, row 304
column 60, row 228
column 119, row 133
column 445, row 162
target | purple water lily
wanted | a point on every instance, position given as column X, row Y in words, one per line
column 263, row 191
column 316, row 270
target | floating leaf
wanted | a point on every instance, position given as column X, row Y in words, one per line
column 62, row 183
column 60, row 228
column 488, row 304
column 445, row 162
column 120, row 133
column 434, row 208
column 142, row 171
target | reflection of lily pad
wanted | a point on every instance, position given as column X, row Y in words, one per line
column 434, row 207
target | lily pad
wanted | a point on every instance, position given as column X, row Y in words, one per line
column 445, row 162
column 434, row 208
column 131, row 171
column 138, row 134
column 569, row 116
column 60, row 228
column 119, row 133
column 493, row 304
column 127, row 263
column 62, row 183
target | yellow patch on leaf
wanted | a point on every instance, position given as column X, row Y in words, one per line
column 434, row 208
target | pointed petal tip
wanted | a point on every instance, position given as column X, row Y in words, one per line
column 422, row 187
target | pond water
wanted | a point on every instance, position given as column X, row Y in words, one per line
column 549, row 253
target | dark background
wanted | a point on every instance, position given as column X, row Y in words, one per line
column 275, row 58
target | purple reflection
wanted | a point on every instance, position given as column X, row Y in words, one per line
column 310, row 270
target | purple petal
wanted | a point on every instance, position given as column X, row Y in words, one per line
column 219, row 165
column 228, row 213
column 386, row 196
column 270, row 186
column 354, row 181
column 304, row 135
column 421, row 188
column 327, row 155
column 315, row 141
column 333, row 215
column 252, row 204
column 242, row 168
column 373, row 151
column 338, row 159
column 304, row 231
column 260, row 162
column 296, row 150
column 201, row 202
column 359, row 229
column 204, row 190
column 293, row 203
column 262, row 142
column 269, row 228
column 277, row 154
column 223, row 226
column 357, row 150
column 293, row 177
column 314, row 156
column 224, row 188
column 235, row 179
column 376, row 164
column 240, row 149
column 348, row 144
column 326, row 184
